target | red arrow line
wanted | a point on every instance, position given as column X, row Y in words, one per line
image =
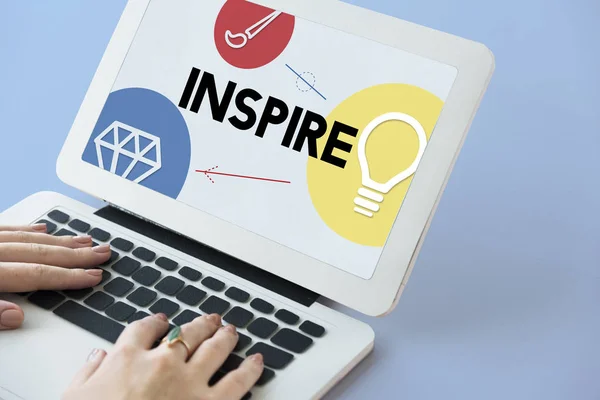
column 208, row 172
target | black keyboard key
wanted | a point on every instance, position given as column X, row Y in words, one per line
column 58, row 216
column 190, row 274
column 238, row 317
column 50, row 226
column 89, row 320
column 292, row 340
column 214, row 305
column 137, row 316
column 118, row 287
column 213, row 284
column 126, row 266
column 65, row 232
column 191, row 295
column 232, row 362
column 237, row 294
column 122, row 244
column 46, row 299
column 243, row 342
column 23, row 294
column 262, row 306
column 216, row 378
column 78, row 294
column 113, row 257
column 79, row 225
column 312, row 329
column 99, row 234
column 166, row 263
column 185, row 317
column 165, row 306
column 287, row 317
column 105, row 277
column 99, row 301
column 146, row 276
column 273, row 357
column 120, row 311
column 144, row 254
column 169, row 286
column 262, row 327
column 142, row 296
column 265, row 377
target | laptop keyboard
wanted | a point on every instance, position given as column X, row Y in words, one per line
column 134, row 285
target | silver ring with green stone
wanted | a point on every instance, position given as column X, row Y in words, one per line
column 174, row 336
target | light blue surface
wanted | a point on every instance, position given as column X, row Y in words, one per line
column 503, row 302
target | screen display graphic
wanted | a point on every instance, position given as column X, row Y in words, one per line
column 300, row 133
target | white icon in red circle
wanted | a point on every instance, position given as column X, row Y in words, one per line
column 251, row 31
column 249, row 36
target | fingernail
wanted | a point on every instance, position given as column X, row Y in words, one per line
column 93, row 354
column 230, row 329
column 84, row 239
column 11, row 319
column 257, row 358
column 94, row 272
column 39, row 227
column 161, row 316
column 216, row 318
column 101, row 249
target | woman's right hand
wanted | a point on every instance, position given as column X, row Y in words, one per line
column 133, row 370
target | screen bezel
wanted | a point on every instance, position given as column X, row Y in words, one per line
column 378, row 295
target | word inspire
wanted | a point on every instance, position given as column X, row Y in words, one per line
column 312, row 125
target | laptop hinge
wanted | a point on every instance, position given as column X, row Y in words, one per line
column 208, row 254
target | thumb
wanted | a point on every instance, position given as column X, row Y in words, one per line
column 92, row 363
column 11, row 316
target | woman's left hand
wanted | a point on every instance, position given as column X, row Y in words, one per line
column 32, row 260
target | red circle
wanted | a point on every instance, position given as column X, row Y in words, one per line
column 236, row 16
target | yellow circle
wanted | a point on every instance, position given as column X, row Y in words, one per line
column 390, row 149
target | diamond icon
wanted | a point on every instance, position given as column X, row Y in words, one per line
column 128, row 152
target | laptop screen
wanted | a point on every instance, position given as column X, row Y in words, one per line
column 301, row 133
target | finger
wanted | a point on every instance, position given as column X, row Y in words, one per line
column 11, row 315
column 91, row 365
column 194, row 333
column 73, row 242
column 27, row 228
column 238, row 382
column 144, row 332
column 20, row 277
column 213, row 352
column 54, row 255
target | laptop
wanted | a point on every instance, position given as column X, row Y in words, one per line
column 266, row 161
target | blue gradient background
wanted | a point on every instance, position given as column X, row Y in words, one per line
column 504, row 299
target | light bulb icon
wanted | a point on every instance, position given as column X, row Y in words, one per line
column 371, row 194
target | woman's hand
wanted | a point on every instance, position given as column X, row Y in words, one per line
column 135, row 371
column 32, row 260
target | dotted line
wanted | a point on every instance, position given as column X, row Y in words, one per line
column 208, row 170
column 314, row 83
